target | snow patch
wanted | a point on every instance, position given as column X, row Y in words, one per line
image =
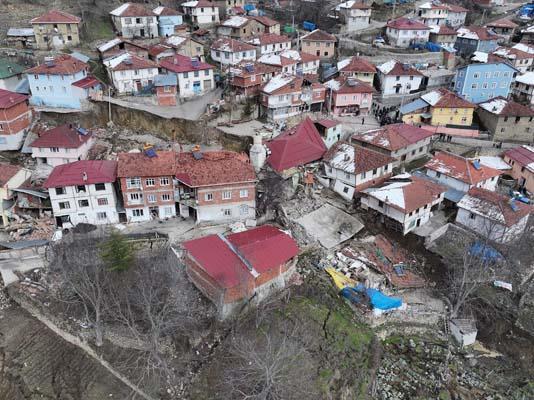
column 527, row 78
column 494, row 162
column 344, row 159
column 343, row 63
column 277, row 82
column 387, row 67
column 523, row 47
column 235, row 21
column 432, row 97
column 480, row 56
column 494, row 106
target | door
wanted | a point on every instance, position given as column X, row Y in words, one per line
column 207, row 84
column 138, row 86
column 397, row 89
column 142, row 32
column 196, row 87
column 419, row 222
column 154, row 212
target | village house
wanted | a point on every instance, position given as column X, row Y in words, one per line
column 521, row 56
column 503, row 27
column 521, row 159
column 433, row 14
column 130, row 73
column 237, row 27
column 493, row 215
column 293, row 62
column 330, row 130
column 294, row 148
column 480, row 82
column 186, row 46
column 15, row 119
column 439, row 107
column 349, row 96
column 84, row 192
column 270, row 43
column 523, row 88
column 55, row 30
column 10, row 74
column 248, row 78
column 62, row 145
column 506, row 120
column 146, row 183
column 443, row 35
column 11, row 177
column 161, row 50
column 61, row 82
column 168, row 20
column 356, row 14
column 456, row 15
column 195, row 78
column 285, row 96
column 119, row 45
column 460, row 174
column 402, row 142
column 166, row 89
column 358, row 68
column 351, row 169
column 405, row 201
column 201, row 13
column 266, row 24
column 397, row 78
column 21, row 38
column 134, row 20
column 475, row 38
column 404, row 32
column 241, row 267
column 319, row 43
column 234, row 5
column 231, row 52
column 527, row 35
column 215, row 186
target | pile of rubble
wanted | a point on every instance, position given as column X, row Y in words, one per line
column 29, row 228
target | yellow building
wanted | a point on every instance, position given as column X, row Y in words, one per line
column 357, row 67
column 440, row 107
column 56, row 30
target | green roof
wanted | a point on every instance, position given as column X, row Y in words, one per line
column 6, row 71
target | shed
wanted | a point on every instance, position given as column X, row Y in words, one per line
column 464, row 331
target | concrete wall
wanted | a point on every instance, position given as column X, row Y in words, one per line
column 523, row 175
column 507, row 129
column 49, row 37
column 55, row 90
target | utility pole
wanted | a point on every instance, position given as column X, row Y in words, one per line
column 109, row 104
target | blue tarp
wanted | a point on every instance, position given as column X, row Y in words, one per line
column 249, row 7
column 434, row 47
column 376, row 297
column 309, row 26
column 485, row 252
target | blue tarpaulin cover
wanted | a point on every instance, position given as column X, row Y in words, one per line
column 485, row 252
column 249, row 7
column 376, row 297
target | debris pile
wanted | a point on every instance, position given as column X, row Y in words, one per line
column 28, row 228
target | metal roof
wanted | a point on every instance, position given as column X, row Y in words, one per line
column 417, row 104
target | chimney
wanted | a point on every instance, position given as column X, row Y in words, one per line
column 84, row 176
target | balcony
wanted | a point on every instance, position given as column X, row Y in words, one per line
column 187, row 199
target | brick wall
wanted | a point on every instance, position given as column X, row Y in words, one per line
column 217, row 192
column 11, row 119
column 157, row 190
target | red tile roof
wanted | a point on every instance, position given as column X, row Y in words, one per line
column 494, row 206
column 63, row 64
column 450, row 99
column 359, row 64
column 445, row 30
column 134, row 62
column 524, row 155
column 56, row 16
column 297, row 146
column 364, row 159
column 85, row 172
column 214, row 168
column 511, row 109
column 400, row 69
column 350, row 85
column 7, row 171
column 64, row 136
column 406, row 24
column 139, row 164
column 502, row 23
column 481, row 32
column 179, row 63
column 226, row 44
column 455, row 8
column 319, row 36
column 266, row 21
column 460, row 168
column 393, row 137
column 9, row 99
column 87, row 82
column 166, row 11
column 268, row 38
column 264, row 248
column 328, row 123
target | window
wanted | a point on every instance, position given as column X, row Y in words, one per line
column 136, row 196
column 471, row 216
column 374, row 171
column 476, row 75
column 363, row 175
column 227, row 212
column 196, row 74
column 164, row 181
column 127, row 21
column 60, row 191
column 208, row 196
column 83, row 203
column 101, row 216
column 505, row 119
column 64, row 205
column 347, row 176
column 54, row 149
column 168, row 210
column 494, row 85
column 496, row 74
column 165, row 197
column 150, row 182
column 438, row 174
column 138, row 212
column 421, row 149
column 488, row 75
column 186, row 75
column 226, row 195
column 474, row 86
column 386, row 168
column 243, row 193
column 485, row 85
column 151, row 198
column 380, row 203
column 346, row 189
column 103, row 201
column 505, row 74
column 206, row 72
column 80, row 188
column 133, row 183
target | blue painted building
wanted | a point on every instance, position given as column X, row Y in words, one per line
column 61, row 82
column 481, row 82
column 168, row 20
column 475, row 38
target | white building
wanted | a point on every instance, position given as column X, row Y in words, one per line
column 130, row 73
column 195, row 78
column 493, row 215
column 403, row 32
column 231, row 52
column 351, row 168
column 133, row 20
column 433, row 14
column 397, row 78
column 62, row 145
column 270, row 43
column 456, row 15
column 405, row 201
column 84, row 192
column 356, row 14
column 464, row 331
column 523, row 87
column 460, row 173
column 293, row 62
column 201, row 13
